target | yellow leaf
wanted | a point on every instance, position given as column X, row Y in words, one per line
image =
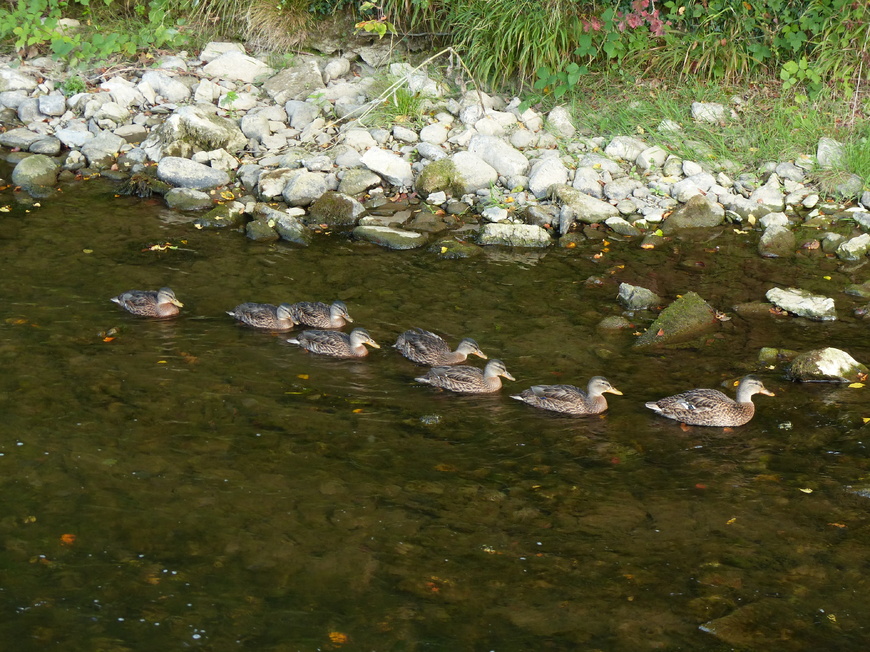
column 5, row 209
column 827, row 278
column 865, row 419
column 302, row 376
column 731, row 521
column 832, row 618
column 443, row 250
column 87, row 251
column 856, row 385
column 226, row 194
column 740, row 232
column 807, row 490
column 161, row 362
column 357, row 410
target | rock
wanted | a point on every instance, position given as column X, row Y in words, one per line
column 390, row 237
column 392, row 168
column 36, row 172
column 615, row 323
column 697, row 184
column 622, row 226
column 49, row 146
column 102, row 150
column 854, row 248
column 222, row 216
column 559, row 120
column 753, row 626
column 404, row 135
column 586, row 209
column 686, row 318
column 335, row 209
column 830, row 153
column 651, row 157
column 304, row 188
column 132, row 134
column 635, row 297
column 828, row 364
column 214, row 49
column 712, row 112
column 291, row 229
column 190, row 128
column 625, row 148
column 301, row 114
column 470, row 173
column 768, row 355
column 544, row 174
column 187, row 199
column 435, row 134
column 777, row 242
column 773, row 219
column 53, row 104
column 271, row 184
column 621, row 188
column 122, row 91
column 506, row 160
column 769, row 196
column 514, row 235
column 185, row 173
column 20, row 137
column 295, row 82
column 112, row 112
column 698, row 212
column 12, row 80
column 166, row 86
column 74, row 137
column 261, row 230
column 803, row 303
column 861, row 290
column 255, row 126
column 451, row 248
column 587, row 180
column 357, row 180
column 237, row 66
column 494, row 214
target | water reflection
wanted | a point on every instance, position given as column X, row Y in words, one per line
column 228, row 490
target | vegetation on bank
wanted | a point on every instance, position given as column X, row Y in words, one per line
column 792, row 70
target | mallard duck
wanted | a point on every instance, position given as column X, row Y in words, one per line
column 425, row 347
column 569, row 399
column 148, row 303
column 320, row 315
column 466, row 379
column 336, row 344
column 264, row 316
column 710, row 407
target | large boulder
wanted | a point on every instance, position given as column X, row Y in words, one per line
column 686, row 318
column 586, row 208
column 698, row 211
column 34, row 172
column 184, row 173
column 828, row 364
column 393, row 168
column 506, row 160
column 190, row 129
column 803, row 303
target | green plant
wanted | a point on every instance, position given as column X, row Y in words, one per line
column 379, row 25
column 72, row 85
column 802, row 73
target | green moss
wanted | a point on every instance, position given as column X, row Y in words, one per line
column 686, row 318
column 438, row 176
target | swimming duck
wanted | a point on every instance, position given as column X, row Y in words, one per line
column 466, row 379
column 336, row 344
column 264, row 316
column 710, row 407
column 425, row 347
column 148, row 303
column 569, row 399
column 320, row 315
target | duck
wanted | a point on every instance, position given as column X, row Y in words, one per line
column 265, row 316
column 465, row 379
column 425, row 347
column 569, row 399
column 149, row 303
column 320, row 315
column 335, row 343
column 710, row 407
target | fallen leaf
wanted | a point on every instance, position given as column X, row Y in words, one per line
column 67, row 539
column 840, row 525
column 648, row 246
column 731, row 520
column 357, row 410
column 108, row 339
column 161, row 362
column 865, row 419
column 806, row 491
column 856, row 385
column 5, row 209
column 338, row 638
column 302, row 376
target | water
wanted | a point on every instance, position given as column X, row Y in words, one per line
column 224, row 490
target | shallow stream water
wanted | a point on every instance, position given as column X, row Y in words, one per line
column 192, row 484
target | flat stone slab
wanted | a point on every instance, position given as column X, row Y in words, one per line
column 803, row 303
column 391, row 238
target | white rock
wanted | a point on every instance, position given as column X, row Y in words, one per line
column 544, row 174
column 435, row 134
column 712, row 112
column 500, row 155
column 803, row 303
column 559, row 120
column 473, row 172
column 391, row 167
column 238, row 66
column 214, row 49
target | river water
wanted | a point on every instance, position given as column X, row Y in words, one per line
column 192, row 484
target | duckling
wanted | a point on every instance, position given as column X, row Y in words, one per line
column 466, row 379
column 265, row 316
column 334, row 343
column 710, row 407
column 320, row 315
column 569, row 399
column 425, row 347
column 148, row 303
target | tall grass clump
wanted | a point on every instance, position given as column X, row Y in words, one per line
column 269, row 24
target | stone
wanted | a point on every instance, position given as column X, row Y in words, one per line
column 166, row 86
column 803, row 303
column 711, row 112
column 614, row 323
column 405, row 135
column 223, row 216
column 635, row 297
column 121, row 91
column 214, row 49
column 651, row 157
column 622, row 226
column 494, row 214
column 20, row 137
column 190, row 128
column 390, row 237
column 470, row 173
column 304, row 188
column 697, row 184
column 769, row 195
column 296, row 82
column 184, row 173
column 451, row 249
column 35, row 172
column 625, row 148
column 301, row 114
column 435, row 134
column 621, row 188
column 261, row 230
column 830, row 153
column 544, row 174
column 255, row 126
column 357, row 180
column 587, row 180
column 102, row 150
column 686, row 318
column 132, row 134
column 53, row 104
column 514, row 235
column 335, row 209
column 431, row 152
column 586, row 208
column 392, row 168
column 559, row 121
column 827, row 364
column 855, row 248
column 12, row 80
column 777, row 242
column 49, row 146
column 506, row 160
column 271, row 184
column 187, row 199
column 698, row 212
column 237, row 66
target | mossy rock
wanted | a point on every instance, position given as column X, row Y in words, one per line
column 261, row 230
column 335, row 209
column 828, row 364
column 686, row 318
column 439, row 176
column 450, row 248
column 221, row 217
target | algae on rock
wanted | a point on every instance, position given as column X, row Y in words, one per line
column 687, row 317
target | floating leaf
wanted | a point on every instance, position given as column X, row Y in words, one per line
column 5, row 209
column 865, row 419
column 443, row 250
column 856, row 385
column 839, row 525
column 357, row 410
column 161, row 362
column 827, row 278
column 302, row 376
column 67, row 539
column 87, row 251
column 731, row 520
column 806, row 491
column 338, row 638
column 740, row 232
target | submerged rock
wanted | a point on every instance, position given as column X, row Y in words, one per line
column 635, row 297
column 391, row 238
column 803, row 303
column 686, row 318
column 854, row 248
column 777, row 242
column 828, row 364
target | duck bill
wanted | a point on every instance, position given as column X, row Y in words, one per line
column 766, row 392
column 374, row 344
column 176, row 302
column 508, row 376
column 613, row 390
